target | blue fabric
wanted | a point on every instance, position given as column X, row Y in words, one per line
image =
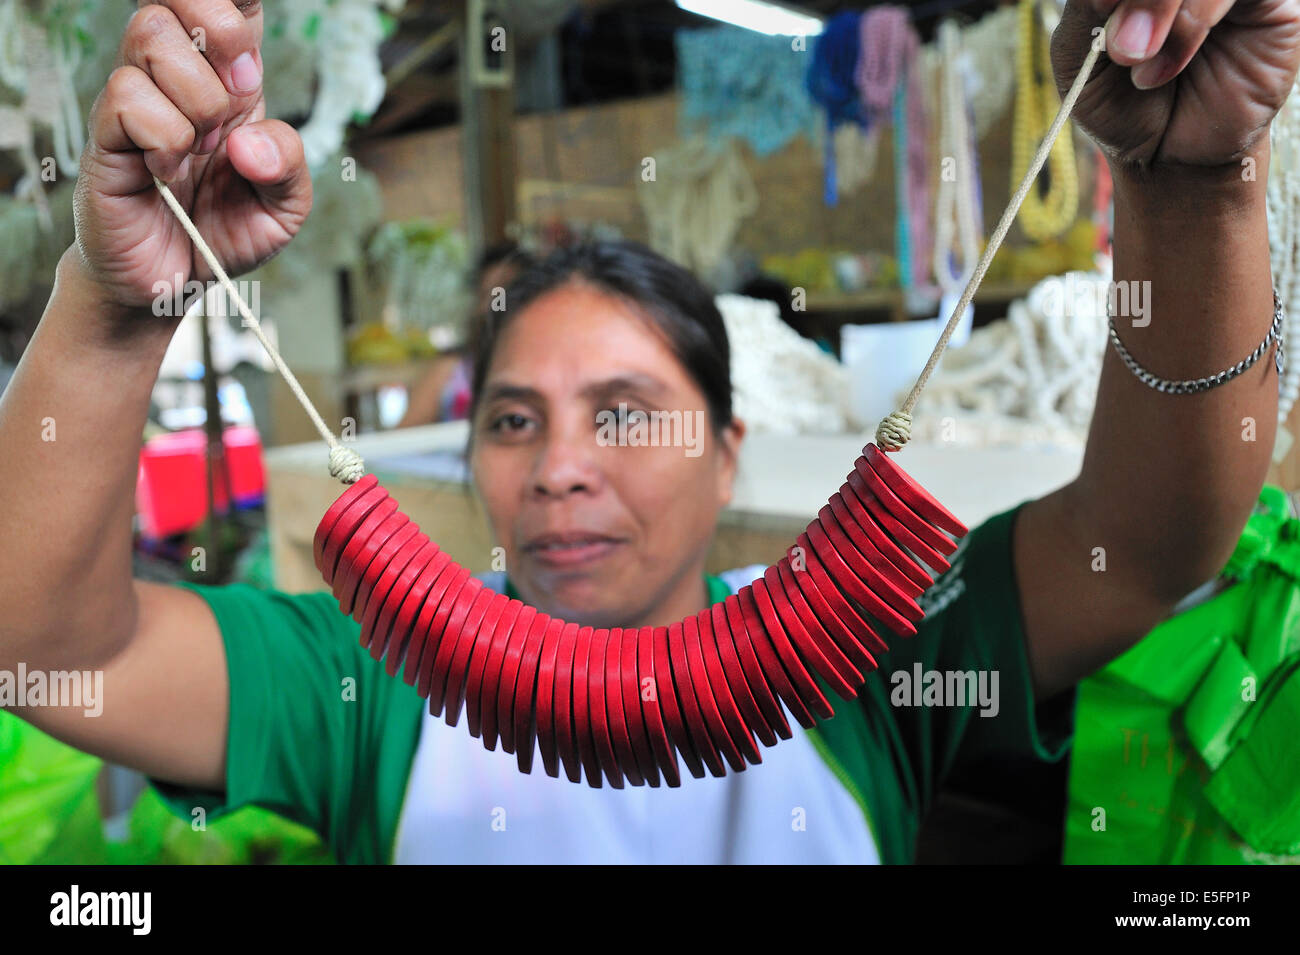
column 735, row 82
column 902, row 228
column 830, row 83
column 830, row 79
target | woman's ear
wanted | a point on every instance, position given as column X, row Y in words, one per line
column 729, row 449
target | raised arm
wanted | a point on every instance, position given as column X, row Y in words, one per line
column 72, row 417
column 1168, row 480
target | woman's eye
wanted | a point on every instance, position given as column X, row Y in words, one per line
column 622, row 414
column 510, row 423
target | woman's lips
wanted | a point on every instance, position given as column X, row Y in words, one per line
column 572, row 552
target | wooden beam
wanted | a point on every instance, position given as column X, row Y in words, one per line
column 487, row 139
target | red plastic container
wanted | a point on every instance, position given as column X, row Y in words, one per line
column 171, row 493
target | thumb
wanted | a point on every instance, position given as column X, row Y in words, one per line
column 268, row 154
column 1081, row 27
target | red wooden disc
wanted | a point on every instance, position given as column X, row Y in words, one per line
column 837, row 513
column 334, row 512
column 600, row 734
column 815, row 540
column 510, row 679
column 544, row 711
column 582, row 708
column 670, row 707
column 894, row 527
column 896, row 506
column 765, row 649
column 774, row 724
column 441, row 675
column 867, row 644
column 611, row 688
column 623, row 686
column 479, row 623
column 701, row 682
column 393, row 629
column 375, row 531
column 344, row 528
column 803, row 641
column 910, row 491
column 643, row 714
column 400, row 575
column 742, row 737
column 526, row 698
column 439, row 598
column 490, row 631
column 878, row 583
column 381, row 565
column 517, row 631
column 862, row 518
column 692, row 716
column 849, row 675
column 566, row 740
column 431, row 636
column 725, row 640
column 384, row 567
column 840, row 630
column 809, row 692
column 356, row 554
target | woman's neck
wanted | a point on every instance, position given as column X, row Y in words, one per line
column 685, row 600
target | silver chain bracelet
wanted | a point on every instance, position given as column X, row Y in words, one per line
column 1194, row 385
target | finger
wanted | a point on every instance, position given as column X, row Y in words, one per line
column 156, row 42
column 269, row 155
column 229, row 34
column 1139, row 29
column 1190, row 28
column 133, row 114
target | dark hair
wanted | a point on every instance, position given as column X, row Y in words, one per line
column 504, row 251
column 770, row 289
column 672, row 299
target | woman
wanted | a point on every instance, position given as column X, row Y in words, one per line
column 226, row 696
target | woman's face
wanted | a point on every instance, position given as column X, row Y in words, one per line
column 598, row 527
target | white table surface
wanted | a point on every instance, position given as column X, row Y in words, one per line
column 780, row 476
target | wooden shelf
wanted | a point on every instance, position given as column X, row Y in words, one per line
column 892, row 299
column 357, row 378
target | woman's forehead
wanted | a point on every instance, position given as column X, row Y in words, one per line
column 576, row 337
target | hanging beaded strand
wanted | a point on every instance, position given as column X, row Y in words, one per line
column 1042, row 216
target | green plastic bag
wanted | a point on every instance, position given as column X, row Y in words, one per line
column 50, row 814
column 49, row 810
column 1187, row 747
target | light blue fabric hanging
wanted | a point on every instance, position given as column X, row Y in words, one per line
column 735, row 82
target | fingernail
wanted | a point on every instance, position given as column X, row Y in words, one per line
column 1134, row 34
column 182, row 171
column 263, row 149
column 209, row 142
column 1150, row 73
column 245, row 74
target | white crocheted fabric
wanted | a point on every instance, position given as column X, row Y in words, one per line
column 781, row 381
column 1030, row 378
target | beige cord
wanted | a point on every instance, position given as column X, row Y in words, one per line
column 345, row 464
column 895, row 430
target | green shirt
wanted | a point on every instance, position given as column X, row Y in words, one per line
column 320, row 733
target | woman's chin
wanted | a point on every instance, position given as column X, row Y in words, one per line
column 577, row 594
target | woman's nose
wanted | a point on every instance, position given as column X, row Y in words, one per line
column 566, row 463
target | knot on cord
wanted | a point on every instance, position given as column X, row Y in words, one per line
column 346, row 464
column 894, row 431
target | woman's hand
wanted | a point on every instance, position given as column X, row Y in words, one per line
column 1181, row 82
column 185, row 104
